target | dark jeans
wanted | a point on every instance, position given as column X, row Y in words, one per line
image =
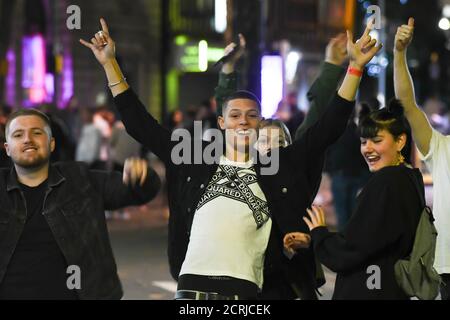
column 445, row 286
column 345, row 189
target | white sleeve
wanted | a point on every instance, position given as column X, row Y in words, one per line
column 434, row 143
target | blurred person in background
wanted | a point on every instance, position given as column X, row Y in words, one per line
column 90, row 140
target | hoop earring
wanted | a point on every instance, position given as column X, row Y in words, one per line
column 401, row 159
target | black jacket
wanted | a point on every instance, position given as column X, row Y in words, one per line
column 379, row 233
column 74, row 208
column 288, row 193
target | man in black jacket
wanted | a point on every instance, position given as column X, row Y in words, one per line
column 54, row 242
column 221, row 213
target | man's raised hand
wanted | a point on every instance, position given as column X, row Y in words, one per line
column 102, row 45
column 228, row 67
column 404, row 35
column 336, row 52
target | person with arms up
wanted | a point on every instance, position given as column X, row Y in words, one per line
column 221, row 213
column 281, row 277
column 434, row 149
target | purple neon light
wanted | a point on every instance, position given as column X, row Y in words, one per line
column 34, row 69
column 271, row 84
column 10, row 87
column 67, row 81
column 49, row 87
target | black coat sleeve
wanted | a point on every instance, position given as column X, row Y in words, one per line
column 118, row 195
column 142, row 126
column 313, row 143
column 320, row 94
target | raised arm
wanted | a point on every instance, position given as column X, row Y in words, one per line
column 332, row 124
column 404, row 89
column 138, row 122
column 324, row 87
column 104, row 49
column 227, row 76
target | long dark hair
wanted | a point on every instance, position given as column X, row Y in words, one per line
column 391, row 119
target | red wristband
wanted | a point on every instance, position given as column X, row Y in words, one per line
column 355, row 72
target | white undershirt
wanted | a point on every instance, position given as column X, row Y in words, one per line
column 438, row 162
column 225, row 240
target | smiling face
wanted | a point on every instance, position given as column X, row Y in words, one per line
column 270, row 137
column 28, row 142
column 240, row 119
column 382, row 150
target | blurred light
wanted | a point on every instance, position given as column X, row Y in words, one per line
column 403, row 1
column 373, row 70
column 413, row 63
column 292, row 60
column 34, row 69
column 446, row 11
column 49, row 86
column 10, row 86
column 382, row 99
column 67, row 80
column 203, row 56
column 214, row 54
column 220, row 21
column 366, row 4
column 100, row 100
column 444, row 24
column 383, row 61
column 271, row 84
column 374, row 34
column 181, row 40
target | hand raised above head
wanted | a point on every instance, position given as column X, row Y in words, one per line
column 336, row 52
column 102, row 45
column 404, row 35
column 234, row 57
column 364, row 49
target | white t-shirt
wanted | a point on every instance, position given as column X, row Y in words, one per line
column 438, row 162
column 231, row 226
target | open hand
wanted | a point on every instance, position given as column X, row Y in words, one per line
column 228, row 67
column 317, row 216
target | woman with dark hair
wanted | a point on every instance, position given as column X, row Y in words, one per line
column 383, row 224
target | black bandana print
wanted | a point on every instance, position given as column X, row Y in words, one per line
column 226, row 182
